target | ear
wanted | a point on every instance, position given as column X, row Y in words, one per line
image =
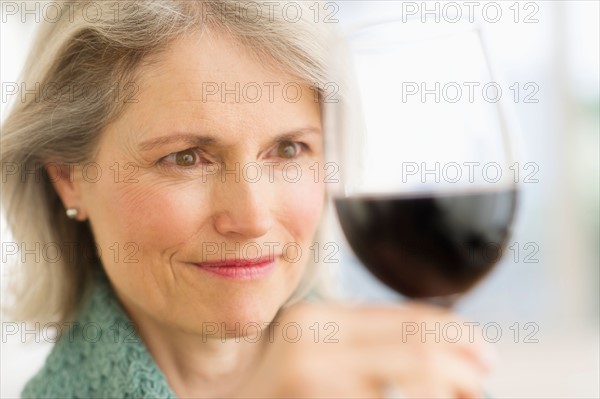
column 62, row 177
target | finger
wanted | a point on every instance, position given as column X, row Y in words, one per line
column 424, row 371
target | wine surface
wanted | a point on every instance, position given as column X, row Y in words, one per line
column 430, row 245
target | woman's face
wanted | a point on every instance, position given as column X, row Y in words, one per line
column 188, row 154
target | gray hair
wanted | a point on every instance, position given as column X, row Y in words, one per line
column 65, row 127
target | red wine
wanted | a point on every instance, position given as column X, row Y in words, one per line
column 431, row 245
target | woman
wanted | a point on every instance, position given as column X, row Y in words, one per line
column 175, row 141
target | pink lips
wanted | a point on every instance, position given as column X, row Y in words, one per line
column 240, row 269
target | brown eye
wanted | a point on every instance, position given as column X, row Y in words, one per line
column 186, row 158
column 287, row 149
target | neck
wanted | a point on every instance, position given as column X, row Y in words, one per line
column 194, row 365
column 195, row 368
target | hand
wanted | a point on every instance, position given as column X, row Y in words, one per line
column 376, row 346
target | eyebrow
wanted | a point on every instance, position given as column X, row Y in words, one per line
column 196, row 140
column 192, row 139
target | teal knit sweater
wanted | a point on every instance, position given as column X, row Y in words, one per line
column 99, row 356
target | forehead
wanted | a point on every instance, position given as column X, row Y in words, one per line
column 211, row 83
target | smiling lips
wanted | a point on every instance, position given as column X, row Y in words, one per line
column 240, row 269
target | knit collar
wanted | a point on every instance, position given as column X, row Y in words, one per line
column 100, row 355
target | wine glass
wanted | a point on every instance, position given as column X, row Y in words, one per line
column 426, row 196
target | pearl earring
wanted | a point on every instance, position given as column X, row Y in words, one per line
column 72, row 213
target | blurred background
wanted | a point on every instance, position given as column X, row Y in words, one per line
column 555, row 45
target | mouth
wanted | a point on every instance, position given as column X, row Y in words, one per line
column 240, row 269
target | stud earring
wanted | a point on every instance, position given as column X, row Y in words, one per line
column 72, row 213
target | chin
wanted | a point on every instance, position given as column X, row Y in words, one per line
column 234, row 308
column 234, row 317
column 254, row 311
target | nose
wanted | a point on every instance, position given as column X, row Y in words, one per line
column 243, row 210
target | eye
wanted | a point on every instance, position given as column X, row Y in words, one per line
column 186, row 158
column 288, row 149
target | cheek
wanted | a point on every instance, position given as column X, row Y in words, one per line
column 303, row 204
column 154, row 216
